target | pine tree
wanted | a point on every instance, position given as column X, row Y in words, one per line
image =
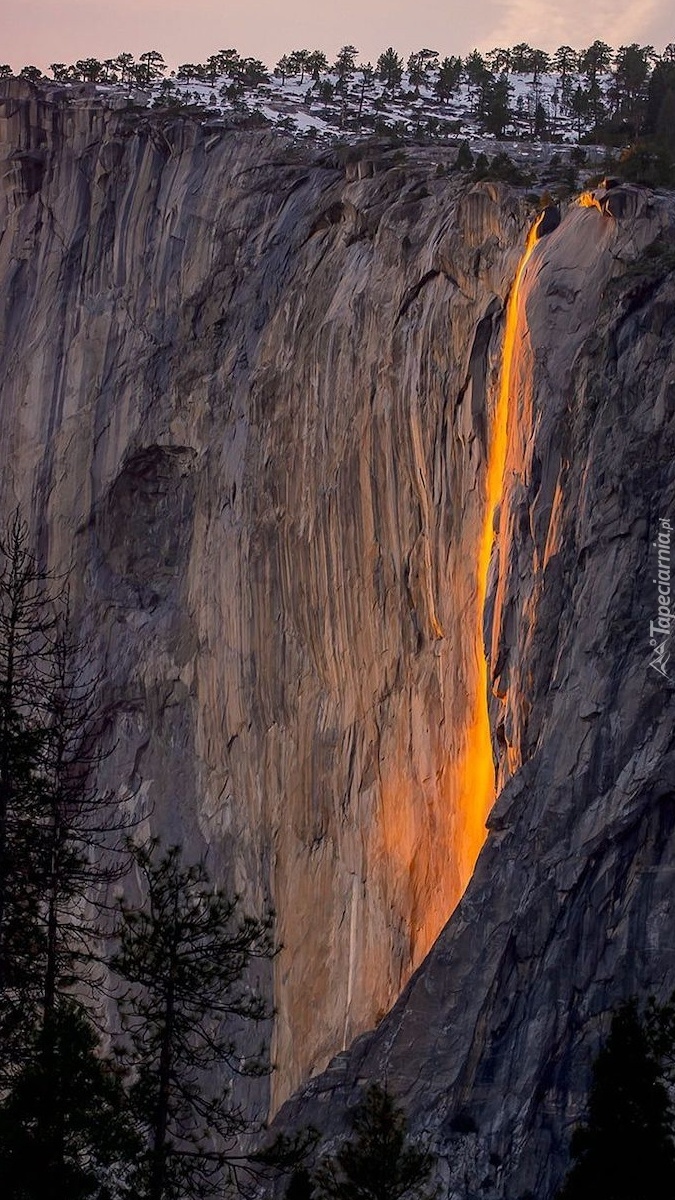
column 151, row 66
column 49, row 820
column 480, row 80
column 64, row 1127
column 579, row 107
column 126, row 65
column 495, row 112
column 283, row 68
column 625, row 1150
column 631, row 79
column 595, row 60
column 345, row 65
column 27, row 623
column 183, row 955
column 390, row 69
column 299, row 63
column 521, row 58
column 367, row 79
column 499, row 60
column 79, row 831
column 565, row 62
column 449, row 77
column 417, row 73
column 379, row 1162
column 464, row 160
column 57, row 834
column 316, row 63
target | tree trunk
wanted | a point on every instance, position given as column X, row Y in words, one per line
column 159, row 1147
column 6, row 781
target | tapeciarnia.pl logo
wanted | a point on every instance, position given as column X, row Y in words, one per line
column 660, row 630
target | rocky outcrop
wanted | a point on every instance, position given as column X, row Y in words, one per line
column 569, row 908
column 245, row 402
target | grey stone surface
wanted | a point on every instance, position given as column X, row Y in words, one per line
column 570, row 907
column 245, row 399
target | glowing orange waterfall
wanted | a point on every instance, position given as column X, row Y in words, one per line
column 477, row 779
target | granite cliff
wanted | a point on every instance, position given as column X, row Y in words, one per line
column 244, row 403
column 569, row 909
column 247, row 401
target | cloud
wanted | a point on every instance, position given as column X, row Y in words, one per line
column 577, row 23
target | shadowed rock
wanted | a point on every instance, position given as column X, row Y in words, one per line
column 548, row 221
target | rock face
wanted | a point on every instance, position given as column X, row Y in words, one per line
column 245, row 402
column 246, row 398
column 570, row 907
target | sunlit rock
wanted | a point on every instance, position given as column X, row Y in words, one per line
column 569, row 910
column 246, row 398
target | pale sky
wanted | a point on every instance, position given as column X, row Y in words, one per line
column 46, row 31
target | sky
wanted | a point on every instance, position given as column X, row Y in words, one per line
column 45, row 31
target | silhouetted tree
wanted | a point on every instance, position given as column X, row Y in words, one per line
column 539, row 64
column 379, row 1162
column 565, row 61
column 625, row 1149
column 521, row 58
column 187, row 72
column 213, row 67
column 252, row 72
column 151, row 66
column 630, row 87
column 183, row 954
column 390, row 69
column 367, row 79
column 326, row 92
column 499, row 60
column 109, row 71
column 345, row 65
column 540, row 122
column 479, row 78
column 300, row 1186
column 417, row 73
column 299, row 60
column 26, row 629
column 660, row 98
column 229, row 62
column 126, row 65
column 283, row 68
column 89, row 69
column 596, row 59
column 464, row 160
column 579, row 106
column 58, row 835
column 65, row 1130
column 494, row 111
column 316, row 63
column 449, row 77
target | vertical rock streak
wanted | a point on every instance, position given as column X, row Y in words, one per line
column 478, row 775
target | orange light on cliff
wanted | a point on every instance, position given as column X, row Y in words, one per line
column 477, row 778
column 589, row 200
